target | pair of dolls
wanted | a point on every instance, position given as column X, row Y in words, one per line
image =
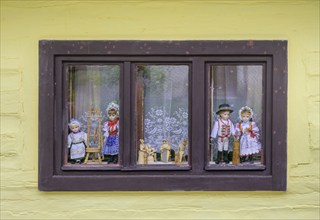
column 246, row 131
column 77, row 139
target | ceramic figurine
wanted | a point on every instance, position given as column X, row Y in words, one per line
column 142, row 155
column 150, row 153
column 223, row 129
column 182, row 147
column 247, row 132
column 111, row 134
column 165, row 151
column 77, row 142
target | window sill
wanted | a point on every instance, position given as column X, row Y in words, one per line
column 235, row 167
column 91, row 167
column 157, row 167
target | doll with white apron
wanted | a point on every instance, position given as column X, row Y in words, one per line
column 77, row 142
column 248, row 133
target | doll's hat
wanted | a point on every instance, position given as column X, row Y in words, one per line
column 74, row 121
column 224, row 107
column 113, row 106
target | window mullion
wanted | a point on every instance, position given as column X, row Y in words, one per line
column 125, row 88
column 197, row 115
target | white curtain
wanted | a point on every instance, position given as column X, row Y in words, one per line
column 92, row 86
column 165, row 104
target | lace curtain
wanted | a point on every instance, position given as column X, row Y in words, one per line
column 165, row 104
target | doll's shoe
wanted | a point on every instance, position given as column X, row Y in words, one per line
column 115, row 159
column 110, row 159
column 107, row 158
column 219, row 157
column 225, row 156
column 250, row 159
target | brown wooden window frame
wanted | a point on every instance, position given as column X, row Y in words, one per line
column 54, row 56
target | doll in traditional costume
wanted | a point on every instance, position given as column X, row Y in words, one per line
column 222, row 130
column 248, row 133
column 111, row 134
column 77, row 142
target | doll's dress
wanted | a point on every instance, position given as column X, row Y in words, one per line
column 249, row 143
column 76, row 143
column 111, row 146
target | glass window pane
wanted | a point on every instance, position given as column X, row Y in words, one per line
column 93, row 114
column 162, row 114
column 236, row 119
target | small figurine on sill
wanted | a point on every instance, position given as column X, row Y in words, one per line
column 247, row 132
column 77, row 142
column 142, row 155
column 110, row 149
column 150, row 154
column 182, row 148
column 223, row 129
column 236, row 152
column 165, row 151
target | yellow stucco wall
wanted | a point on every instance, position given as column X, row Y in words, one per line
column 24, row 23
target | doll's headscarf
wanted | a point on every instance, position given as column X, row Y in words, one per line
column 245, row 108
column 74, row 121
column 113, row 106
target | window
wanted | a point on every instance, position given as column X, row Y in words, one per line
column 93, row 114
column 162, row 115
column 241, row 86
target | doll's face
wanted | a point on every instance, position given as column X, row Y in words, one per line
column 112, row 116
column 245, row 116
column 74, row 128
column 225, row 115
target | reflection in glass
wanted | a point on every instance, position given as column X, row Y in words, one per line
column 237, row 86
column 162, row 114
column 93, row 114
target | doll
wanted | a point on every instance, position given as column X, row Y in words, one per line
column 77, row 142
column 223, row 129
column 111, row 134
column 248, row 133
